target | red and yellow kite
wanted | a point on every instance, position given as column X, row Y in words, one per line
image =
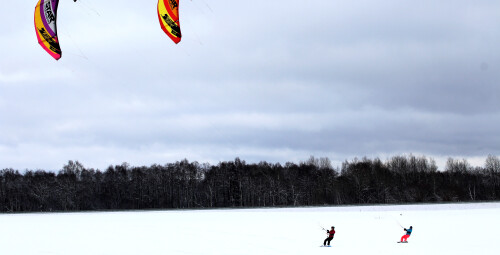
column 168, row 14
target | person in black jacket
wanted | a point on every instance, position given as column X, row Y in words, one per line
column 330, row 234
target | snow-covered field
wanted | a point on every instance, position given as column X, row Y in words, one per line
column 437, row 229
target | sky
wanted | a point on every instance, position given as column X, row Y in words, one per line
column 275, row 81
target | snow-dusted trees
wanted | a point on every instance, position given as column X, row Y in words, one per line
column 185, row 184
column 492, row 164
column 457, row 166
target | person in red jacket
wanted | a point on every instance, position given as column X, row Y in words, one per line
column 330, row 234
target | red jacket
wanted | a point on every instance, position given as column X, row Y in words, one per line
column 330, row 233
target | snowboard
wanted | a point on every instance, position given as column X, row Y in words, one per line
column 403, row 242
column 325, row 246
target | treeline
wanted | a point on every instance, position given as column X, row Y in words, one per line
column 184, row 184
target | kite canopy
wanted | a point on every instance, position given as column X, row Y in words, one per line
column 45, row 26
column 168, row 14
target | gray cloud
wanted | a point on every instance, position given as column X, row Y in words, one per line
column 276, row 81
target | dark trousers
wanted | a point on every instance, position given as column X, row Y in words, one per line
column 327, row 240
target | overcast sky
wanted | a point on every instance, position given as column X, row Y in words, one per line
column 261, row 80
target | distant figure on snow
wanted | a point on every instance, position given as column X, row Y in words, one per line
column 404, row 239
column 330, row 234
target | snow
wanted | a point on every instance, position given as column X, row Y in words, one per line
column 437, row 229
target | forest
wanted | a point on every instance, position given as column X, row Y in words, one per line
column 237, row 184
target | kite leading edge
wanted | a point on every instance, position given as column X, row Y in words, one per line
column 168, row 14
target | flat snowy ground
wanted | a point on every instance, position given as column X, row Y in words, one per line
column 437, row 229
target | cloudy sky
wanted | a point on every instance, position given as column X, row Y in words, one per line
column 261, row 80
